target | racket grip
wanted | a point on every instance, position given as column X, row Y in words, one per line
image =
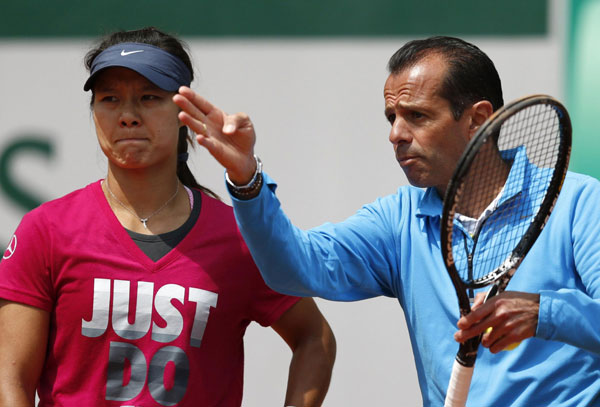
column 458, row 388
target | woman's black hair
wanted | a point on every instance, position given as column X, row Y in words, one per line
column 176, row 47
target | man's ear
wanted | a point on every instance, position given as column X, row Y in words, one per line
column 480, row 112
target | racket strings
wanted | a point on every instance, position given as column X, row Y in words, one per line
column 504, row 189
column 538, row 119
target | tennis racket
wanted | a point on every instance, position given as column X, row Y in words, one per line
column 496, row 205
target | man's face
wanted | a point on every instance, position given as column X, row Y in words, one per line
column 428, row 141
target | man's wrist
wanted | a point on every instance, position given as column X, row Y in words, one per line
column 249, row 190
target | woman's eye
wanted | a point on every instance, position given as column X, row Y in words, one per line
column 150, row 97
column 108, row 98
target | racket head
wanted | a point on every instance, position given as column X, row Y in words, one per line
column 538, row 129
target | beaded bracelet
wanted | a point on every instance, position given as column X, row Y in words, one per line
column 249, row 190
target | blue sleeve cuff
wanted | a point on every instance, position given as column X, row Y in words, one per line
column 569, row 316
column 545, row 329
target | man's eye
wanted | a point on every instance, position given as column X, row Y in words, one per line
column 391, row 118
column 416, row 115
column 150, row 97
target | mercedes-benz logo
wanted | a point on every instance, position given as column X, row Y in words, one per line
column 12, row 246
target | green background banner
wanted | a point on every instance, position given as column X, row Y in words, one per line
column 68, row 18
column 583, row 85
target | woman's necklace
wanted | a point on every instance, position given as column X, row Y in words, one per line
column 143, row 220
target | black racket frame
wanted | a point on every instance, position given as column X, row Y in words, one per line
column 501, row 276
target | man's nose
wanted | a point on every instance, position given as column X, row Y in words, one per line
column 399, row 132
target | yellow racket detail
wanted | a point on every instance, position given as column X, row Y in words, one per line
column 509, row 347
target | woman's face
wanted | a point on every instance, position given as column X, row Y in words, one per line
column 136, row 122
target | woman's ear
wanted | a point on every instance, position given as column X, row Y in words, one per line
column 480, row 112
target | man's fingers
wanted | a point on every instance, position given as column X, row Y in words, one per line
column 211, row 145
column 513, row 315
column 198, row 101
column 187, row 106
column 235, row 122
column 478, row 312
column 479, row 299
column 503, row 338
column 472, row 330
column 197, row 126
column 476, row 315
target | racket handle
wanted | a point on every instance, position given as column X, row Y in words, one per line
column 458, row 388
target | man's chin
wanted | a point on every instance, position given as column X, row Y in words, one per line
column 414, row 180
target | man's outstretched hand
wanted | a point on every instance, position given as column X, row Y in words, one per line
column 230, row 139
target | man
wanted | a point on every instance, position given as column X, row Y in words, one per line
column 439, row 92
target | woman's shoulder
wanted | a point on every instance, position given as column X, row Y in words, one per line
column 69, row 205
column 212, row 203
column 82, row 194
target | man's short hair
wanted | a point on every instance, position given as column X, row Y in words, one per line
column 471, row 74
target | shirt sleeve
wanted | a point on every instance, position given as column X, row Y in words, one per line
column 267, row 305
column 259, row 302
column 571, row 315
column 347, row 261
column 25, row 267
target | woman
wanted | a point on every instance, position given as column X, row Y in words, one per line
column 137, row 289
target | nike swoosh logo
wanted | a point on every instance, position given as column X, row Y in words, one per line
column 125, row 53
